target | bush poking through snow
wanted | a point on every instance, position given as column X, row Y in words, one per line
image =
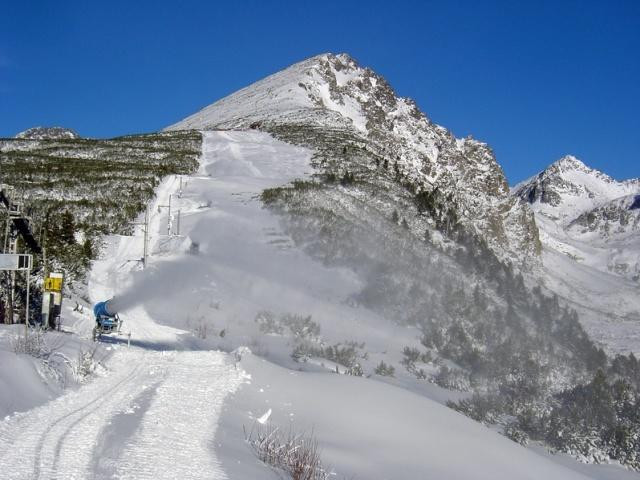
column 385, row 370
column 453, row 379
column 301, row 327
column 33, row 344
column 294, row 454
column 347, row 354
column 86, row 364
column 413, row 355
column 268, row 323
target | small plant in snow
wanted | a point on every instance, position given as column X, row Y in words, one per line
column 301, row 327
column 201, row 330
column 33, row 343
column 384, row 369
column 516, row 434
column 347, row 354
column 413, row 355
column 453, row 379
column 294, row 454
column 268, row 323
column 86, row 364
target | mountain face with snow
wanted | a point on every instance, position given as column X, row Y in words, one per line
column 334, row 94
column 589, row 226
column 48, row 133
column 430, row 231
column 587, row 215
column 360, row 252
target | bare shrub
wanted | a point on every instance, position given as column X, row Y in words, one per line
column 294, row 454
column 201, row 330
column 33, row 343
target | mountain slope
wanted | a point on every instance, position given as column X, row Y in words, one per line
column 162, row 412
column 429, row 228
column 590, row 230
column 333, row 93
column 587, row 215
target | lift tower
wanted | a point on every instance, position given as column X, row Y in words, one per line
column 18, row 226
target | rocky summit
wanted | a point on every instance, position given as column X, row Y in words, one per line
column 334, row 94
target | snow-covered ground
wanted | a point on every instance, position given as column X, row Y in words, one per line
column 608, row 304
column 174, row 403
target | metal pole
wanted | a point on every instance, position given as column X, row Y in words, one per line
column 6, row 234
column 13, row 248
column 178, row 222
column 169, row 218
column 26, row 320
column 146, row 237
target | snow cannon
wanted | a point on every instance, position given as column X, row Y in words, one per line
column 104, row 309
column 107, row 319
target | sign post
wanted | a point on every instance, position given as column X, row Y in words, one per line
column 52, row 299
column 19, row 262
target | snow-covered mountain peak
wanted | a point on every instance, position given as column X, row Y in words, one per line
column 569, row 162
column 587, row 215
column 330, row 90
column 569, row 188
column 47, row 133
column 335, row 97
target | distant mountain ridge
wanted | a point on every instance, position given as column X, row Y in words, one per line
column 569, row 188
column 47, row 133
column 587, row 214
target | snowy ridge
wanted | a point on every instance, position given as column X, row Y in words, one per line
column 335, row 93
column 590, row 229
column 47, row 133
column 568, row 188
column 587, row 215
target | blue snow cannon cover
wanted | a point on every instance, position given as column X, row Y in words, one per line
column 102, row 309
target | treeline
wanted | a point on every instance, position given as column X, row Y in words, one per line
column 77, row 190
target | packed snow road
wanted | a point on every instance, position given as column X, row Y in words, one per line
column 136, row 422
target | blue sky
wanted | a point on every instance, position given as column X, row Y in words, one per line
column 535, row 80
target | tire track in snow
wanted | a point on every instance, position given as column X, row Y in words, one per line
column 59, row 436
column 67, row 424
column 175, row 439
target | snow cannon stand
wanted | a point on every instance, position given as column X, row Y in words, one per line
column 107, row 320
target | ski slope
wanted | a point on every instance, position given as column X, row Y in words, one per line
column 174, row 404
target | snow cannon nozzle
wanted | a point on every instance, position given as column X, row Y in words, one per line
column 104, row 309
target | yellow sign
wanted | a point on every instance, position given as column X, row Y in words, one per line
column 53, row 284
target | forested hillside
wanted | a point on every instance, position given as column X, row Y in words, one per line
column 77, row 189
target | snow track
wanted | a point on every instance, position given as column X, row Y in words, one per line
column 193, row 393
column 60, row 439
